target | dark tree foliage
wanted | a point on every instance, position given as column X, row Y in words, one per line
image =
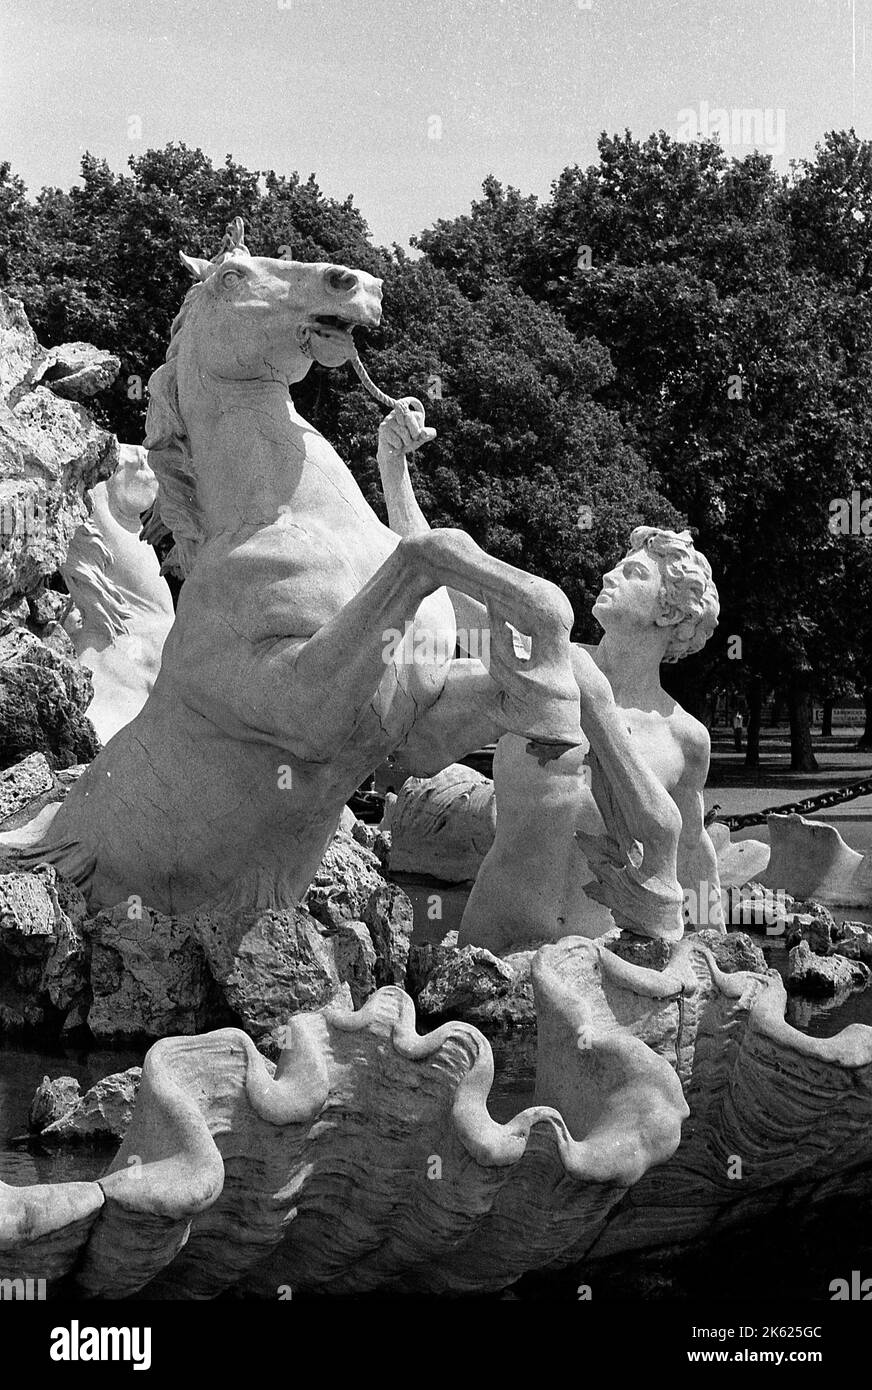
column 735, row 306
column 528, row 458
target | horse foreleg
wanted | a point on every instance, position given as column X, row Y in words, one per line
column 320, row 687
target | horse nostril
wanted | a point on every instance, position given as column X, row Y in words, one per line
column 341, row 280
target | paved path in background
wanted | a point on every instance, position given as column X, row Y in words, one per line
column 738, row 792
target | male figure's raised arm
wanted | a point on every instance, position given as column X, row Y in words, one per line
column 400, row 434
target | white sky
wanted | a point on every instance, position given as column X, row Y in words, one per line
column 348, row 88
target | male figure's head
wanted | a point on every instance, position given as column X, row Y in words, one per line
column 662, row 582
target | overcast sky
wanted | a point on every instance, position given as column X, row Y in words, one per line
column 407, row 104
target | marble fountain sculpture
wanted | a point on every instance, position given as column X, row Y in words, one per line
column 366, row 1159
column 123, row 608
column 276, row 682
column 542, row 878
column 805, row 858
column 658, row 604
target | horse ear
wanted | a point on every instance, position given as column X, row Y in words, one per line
column 198, row 268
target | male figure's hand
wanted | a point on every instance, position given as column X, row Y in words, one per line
column 402, row 432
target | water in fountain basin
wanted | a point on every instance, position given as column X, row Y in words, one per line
column 22, row 1068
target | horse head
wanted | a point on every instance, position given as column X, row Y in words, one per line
column 265, row 319
column 248, row 323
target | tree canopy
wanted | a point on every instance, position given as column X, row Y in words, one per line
column 671, row 337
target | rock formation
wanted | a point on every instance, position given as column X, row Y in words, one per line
column 51, row 453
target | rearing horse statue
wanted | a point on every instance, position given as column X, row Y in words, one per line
column 280, row 688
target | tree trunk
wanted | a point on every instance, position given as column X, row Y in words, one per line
column 755, row 710
column 827, row 721
column 866, row 738
column 802, row 758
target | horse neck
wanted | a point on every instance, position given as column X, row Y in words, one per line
column 244, row 455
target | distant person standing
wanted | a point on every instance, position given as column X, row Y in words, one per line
column 738, row 727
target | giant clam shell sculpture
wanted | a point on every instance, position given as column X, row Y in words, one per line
column 367, row 1160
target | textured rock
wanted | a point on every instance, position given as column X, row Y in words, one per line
column 26, row 904
column 20, row 353
column 65, row 976
column 815, row 931
column 733, row 951
column 50, row 453
column 814, row 974
column 425, row 958
column 478, row 987
column 77, row 370
column 354, row 958
column 148, row 976
column 759, row 909
column 443, row 825
column 103, row 1114
column 641, row 950
column 817, row 910
column 854, row 940
column 43, row 963
column 52, row 1100
column 16, row 612
column 848, row 930
column 25, row 786
column 856, row 948
column 390, row 919
column 346, row 879
column 269, row 965
column 364, row 834
column 43, row 698
column 46, row 607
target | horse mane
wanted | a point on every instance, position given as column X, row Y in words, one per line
column 176, row 506
column 100, row 602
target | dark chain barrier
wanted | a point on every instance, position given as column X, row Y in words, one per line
column 811, row 803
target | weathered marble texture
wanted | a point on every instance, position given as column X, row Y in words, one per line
column 124, row 609
column 51, row 451
column 44, row 694
column 611, row 831
column 739, row 861
column 277, row 681
column 129, row 973
column 809, row 859
column 794, row 1109
column 443, row 825
column 367, row 1160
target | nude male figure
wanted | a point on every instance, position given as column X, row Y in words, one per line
column 536, row 883
column 651, row 756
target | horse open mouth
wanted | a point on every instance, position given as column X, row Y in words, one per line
column 333, row 324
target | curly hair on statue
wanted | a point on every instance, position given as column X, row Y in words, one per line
column 690, row 598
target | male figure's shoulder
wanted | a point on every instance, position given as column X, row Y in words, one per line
column 693, row 738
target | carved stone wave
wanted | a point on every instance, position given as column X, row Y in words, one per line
column 367, row 1159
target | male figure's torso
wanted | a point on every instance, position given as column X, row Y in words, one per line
column 531, row 884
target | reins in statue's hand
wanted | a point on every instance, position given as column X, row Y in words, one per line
column 377, row 394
